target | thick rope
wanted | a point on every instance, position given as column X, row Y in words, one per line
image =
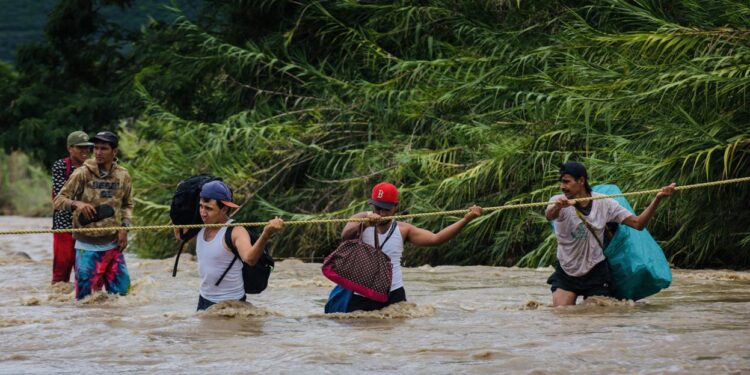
column 347, row 220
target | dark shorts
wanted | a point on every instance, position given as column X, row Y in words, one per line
column 597, row 282
column 365, row 304
column 204, row 303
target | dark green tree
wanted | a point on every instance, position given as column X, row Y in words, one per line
column 76, row 80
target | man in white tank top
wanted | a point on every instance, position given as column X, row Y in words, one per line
column 214, row 257
column 392, row 236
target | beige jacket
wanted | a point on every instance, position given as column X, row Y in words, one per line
column 86, row 185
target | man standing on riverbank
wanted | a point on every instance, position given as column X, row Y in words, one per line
column 63, row 250
column 100, row 194
column 582, row 268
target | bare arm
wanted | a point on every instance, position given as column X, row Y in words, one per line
column 553, row 211
column 423, row 237
column 177, row 233
column 352, row 228
column 251, row 252
column 71, row 190
column 639, row 222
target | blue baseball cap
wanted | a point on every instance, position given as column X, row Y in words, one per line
column 219, row 191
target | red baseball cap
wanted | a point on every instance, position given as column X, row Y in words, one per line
column 384, row 195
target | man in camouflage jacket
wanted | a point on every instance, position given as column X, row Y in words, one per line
column 100, row 195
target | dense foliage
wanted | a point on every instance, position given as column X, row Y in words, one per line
column 303, row 105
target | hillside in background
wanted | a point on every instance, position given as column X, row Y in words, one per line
column 23, row 21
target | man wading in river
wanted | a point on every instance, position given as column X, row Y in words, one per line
column 63, row 244
column 582, row 268
column 100, row 194
column 214, row 256
column 384, row 200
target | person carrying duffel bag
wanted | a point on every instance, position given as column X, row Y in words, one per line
column 358, row 265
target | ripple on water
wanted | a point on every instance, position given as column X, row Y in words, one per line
column 303, row 283
column 10, row 322
column 719, row 275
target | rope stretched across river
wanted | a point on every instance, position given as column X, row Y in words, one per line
column 395, row 217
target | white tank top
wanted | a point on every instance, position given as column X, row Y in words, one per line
column 394, row 247
column 213, row 260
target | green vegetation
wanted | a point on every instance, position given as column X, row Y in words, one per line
column 25, row 187
column 303, row 106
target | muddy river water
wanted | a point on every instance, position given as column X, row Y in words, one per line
column 475, row 319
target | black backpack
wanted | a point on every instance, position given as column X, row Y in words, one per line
column 255, row 277
column 185, row 209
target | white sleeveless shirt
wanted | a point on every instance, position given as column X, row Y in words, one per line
column 213, row 260
column 394, row 248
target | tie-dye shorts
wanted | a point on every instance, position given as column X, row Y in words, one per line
column 95, row 269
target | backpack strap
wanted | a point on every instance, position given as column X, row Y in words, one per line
column 177, row 258
column 230, row 244
column 590, row 228
column 394, row 225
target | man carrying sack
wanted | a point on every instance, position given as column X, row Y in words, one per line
column 389, row 237
column 582, row 268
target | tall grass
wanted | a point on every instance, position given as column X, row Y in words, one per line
column 457, row 102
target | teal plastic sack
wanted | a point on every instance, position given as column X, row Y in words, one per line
column 639, row 268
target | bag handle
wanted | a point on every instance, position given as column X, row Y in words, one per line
column 362, row 231
column 590, row 228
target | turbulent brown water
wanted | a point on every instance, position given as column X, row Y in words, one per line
column 458, row 319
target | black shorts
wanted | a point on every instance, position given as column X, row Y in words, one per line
column 597, row 282
column 365, row 304
column 204, row 303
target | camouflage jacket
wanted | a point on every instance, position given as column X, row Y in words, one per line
column 87, row 185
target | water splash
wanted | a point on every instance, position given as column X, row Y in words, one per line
column 237, row 309
column 401, row 310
